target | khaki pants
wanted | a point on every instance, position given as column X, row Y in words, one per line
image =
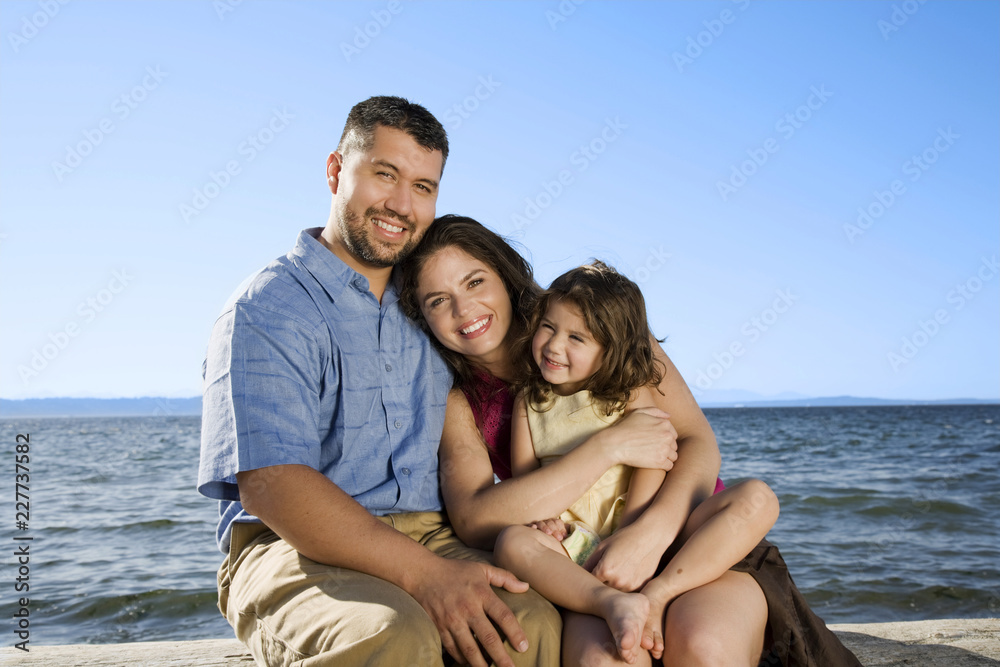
column 290, row 610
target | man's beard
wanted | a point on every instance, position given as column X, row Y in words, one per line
column 357, row 236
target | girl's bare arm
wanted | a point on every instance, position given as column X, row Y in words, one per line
column 480, row 509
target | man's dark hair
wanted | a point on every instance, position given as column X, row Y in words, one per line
column 397, row 113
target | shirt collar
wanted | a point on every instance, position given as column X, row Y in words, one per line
column 331, row 272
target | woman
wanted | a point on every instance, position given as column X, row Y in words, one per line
column 473, row 292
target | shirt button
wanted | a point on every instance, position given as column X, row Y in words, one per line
column 388, row 367
column 405, row 471
column 398, row 424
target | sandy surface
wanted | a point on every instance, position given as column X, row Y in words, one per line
column 949, row 642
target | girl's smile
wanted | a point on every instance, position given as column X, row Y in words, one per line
column 564, row 348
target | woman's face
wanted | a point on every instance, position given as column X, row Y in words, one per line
column 466, row 305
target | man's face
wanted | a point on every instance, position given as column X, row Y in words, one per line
column 385, row 196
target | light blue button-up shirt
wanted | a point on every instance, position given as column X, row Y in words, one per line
column 305, row 366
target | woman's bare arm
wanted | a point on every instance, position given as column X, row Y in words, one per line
column 693, row 476
column 629, row 557
column 522, row 449
column 480, row 509
column 645, row 482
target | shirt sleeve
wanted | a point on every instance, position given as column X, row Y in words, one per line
column 261, row 397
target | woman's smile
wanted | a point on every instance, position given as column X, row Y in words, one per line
column 466, row 305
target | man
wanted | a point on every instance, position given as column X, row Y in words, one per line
column 323, row 411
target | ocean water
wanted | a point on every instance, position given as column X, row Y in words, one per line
column 888, row 513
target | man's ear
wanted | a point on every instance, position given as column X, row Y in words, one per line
column 334, row 165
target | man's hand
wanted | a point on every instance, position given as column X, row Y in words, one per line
column 456, row 594
column 624, row 560
column 554, row 527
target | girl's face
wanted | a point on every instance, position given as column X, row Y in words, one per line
column 564, row 349
column 466, row 305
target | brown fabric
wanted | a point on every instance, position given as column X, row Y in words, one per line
column 800, row 638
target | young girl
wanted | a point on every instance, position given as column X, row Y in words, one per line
column 590, row 363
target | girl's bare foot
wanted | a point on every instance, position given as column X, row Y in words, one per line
column 659, row 597
column 626, row 615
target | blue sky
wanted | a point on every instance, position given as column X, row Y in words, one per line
column 806, row 192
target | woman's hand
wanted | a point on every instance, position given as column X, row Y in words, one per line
column 644, row 438
column 625, row 560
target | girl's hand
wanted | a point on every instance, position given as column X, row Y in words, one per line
column 644, row 438
column 554, row 527
column 624, row 560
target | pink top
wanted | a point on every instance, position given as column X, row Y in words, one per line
column 492, row 403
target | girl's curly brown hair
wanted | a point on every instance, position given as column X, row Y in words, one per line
column 615, row 313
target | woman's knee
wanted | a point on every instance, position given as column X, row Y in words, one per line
column 692, row 645
column 587, row 642
column 719, row 624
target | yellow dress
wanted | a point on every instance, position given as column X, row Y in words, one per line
column 567, row 423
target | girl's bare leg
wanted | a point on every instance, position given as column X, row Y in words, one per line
column 720, row 531
column 721, row 624
column 540, row 560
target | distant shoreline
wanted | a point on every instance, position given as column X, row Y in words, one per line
column 190, row 407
